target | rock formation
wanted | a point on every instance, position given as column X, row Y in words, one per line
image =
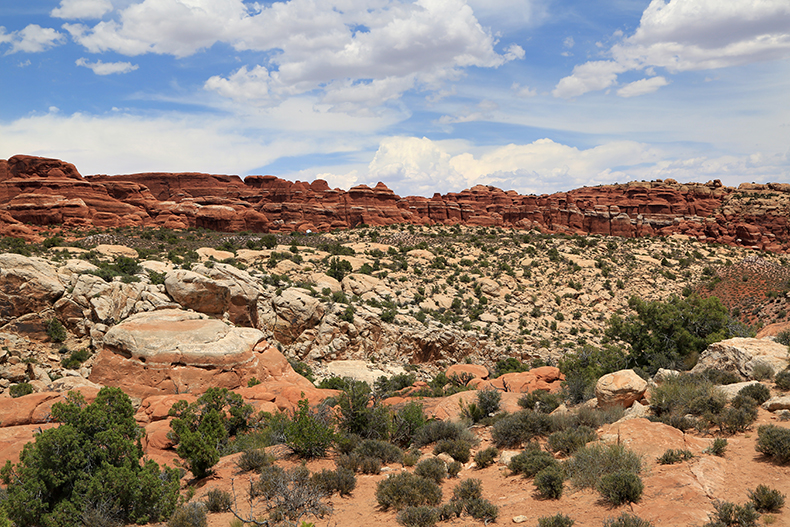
column 38, row 192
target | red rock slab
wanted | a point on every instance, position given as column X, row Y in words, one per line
column 461, row 370
column 156, row 435
column 450, row 408
column 548, row 374
column 14, row 438
column 156, row 407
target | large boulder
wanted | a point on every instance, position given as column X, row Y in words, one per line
column 173, row 351
column 293, row 312
column 243, row 292
column 740, row 356
column 27, row 285
column 621, row 388
column 199, row 292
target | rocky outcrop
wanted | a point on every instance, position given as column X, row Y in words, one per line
column 741, row 355
column 27, row 285
column 43, row 191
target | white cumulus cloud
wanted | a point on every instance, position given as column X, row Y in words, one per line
column 642, row 86
column 32, row 39
column 107, row 68
column 85, row 9
column 683, row 35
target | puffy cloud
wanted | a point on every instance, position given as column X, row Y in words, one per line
column 683, row 35
column 84, row 9
column 642, row 87
column 357, row 54
column 523, row 91
column 31, row 39
column 107, row 68
column 590, row 76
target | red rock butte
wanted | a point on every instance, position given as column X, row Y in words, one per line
column 37, row 192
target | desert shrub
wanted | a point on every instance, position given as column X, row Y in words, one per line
column 487, row 403
column 717, row 376
column 432, row 468
column 571, row 440
column 627, row 520
column 55, row 330
column 92, row 458
column 338, row 269
column 672, row 456
column 411, row 458
column 590, row 463
column 218, row 500
column 370, row 465
column 549, row 482
column 762, row 372
column 386, row 452
column 782, row 380
column 285, row 496
column 468, row 489
column 759, row 392
column 738, row 418
column 621, row 487
column 418, row 516
column 596, row 417
column 513, row 430
column 18, row 390
column 349, row 461
column 253, row 459
column 309, row 433
column 717, row 447
column 672, row 333
column 485, row 458
column 531, row 461
column 361, row 413
column 766, row 499
column 341, row 480
column 75, row 359
column 454, row 468
column 783, row 337
column 584, row 367
column 189, row 515
column 774, row 442
column 451, row 509
column 458, row 449
column 540, row 401
column 406, row 422
column 481, row 509
column 685, row 394
column 558, row 520
column 407, row 490
column 437, row 430
column 730, row 515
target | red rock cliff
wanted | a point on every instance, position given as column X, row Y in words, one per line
column 37, row 192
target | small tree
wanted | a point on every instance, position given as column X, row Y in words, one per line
column 338, row 268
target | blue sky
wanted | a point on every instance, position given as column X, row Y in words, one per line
column 426, row 96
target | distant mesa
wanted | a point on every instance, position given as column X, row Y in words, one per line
column 37, row 192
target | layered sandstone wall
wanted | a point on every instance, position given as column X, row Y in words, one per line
column 39, row 192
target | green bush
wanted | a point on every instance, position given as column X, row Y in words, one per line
column 570, row 440
column 386, row 452
column 92, row 458
column 486, row 458
column 783, row 337
column 406, row 422
column 55, row 330
column 361, row 413
column 407, row 490
column 762, row 372
column 432, row 468
column 458, row 449
column 254, row 459
column 437, row 430
column 685, row 394
column 621, row 487
column 341, row 480
column 531, row 461
column 627, row 520
column 468, row 489
column 338, row 269
column 189, row 515
column 739, row 418
column 309, row 433
column 411, row 458
column 583, row 368
column 549, row 482
column 590, row 463
column 759, row 392
column 782, row 380
column 717, row 447
column 286, row 495
column 774, row 442
column 516, row 429
column 481, row 509
column 75, row 359
column 451, row 509
column 540, row 401
column 18, row 390
column 218, row 500
column 558, row 520
column 730, row 515
column 370, row 465
column 672, row 456
column 453, row 469
column 418, row 516
column 766, row 499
